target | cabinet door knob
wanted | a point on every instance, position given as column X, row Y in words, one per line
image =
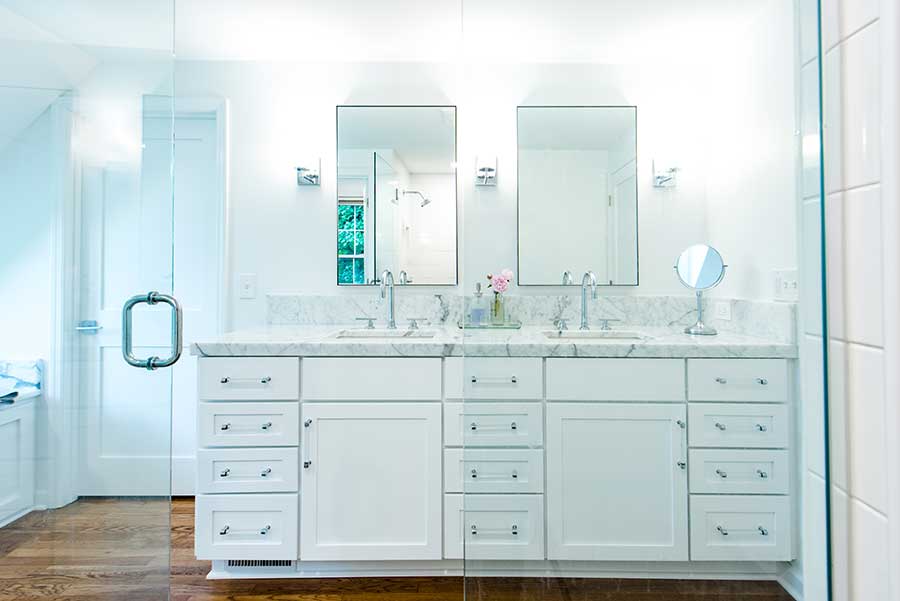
column 721, row 380
column 721, row 426
column 265, row 473
column 761, row 427
column 682, row 465
column 722, row 531
column 515, row 530
column 473, row 426
column 265, row 529
column 224, row 427
column 266, row 425
column 224, row 530
column 762, row 474
column 762, row 381
column 721, row 474
column 763, row 531
column 515, row 475
column 224, row 473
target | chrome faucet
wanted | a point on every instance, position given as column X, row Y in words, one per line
column 587, row 279
column 387, row 291
column 404, row 278
column 568, row 279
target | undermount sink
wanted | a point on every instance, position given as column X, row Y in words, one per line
column 592, row 335
column 385, row 333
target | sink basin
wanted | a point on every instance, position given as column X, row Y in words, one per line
column 593, row 335
column 384, row 333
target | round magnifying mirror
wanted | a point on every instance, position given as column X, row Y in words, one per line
column 700, row 267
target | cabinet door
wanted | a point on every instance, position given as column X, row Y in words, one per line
column 616, row 483
column 17, row 460
column 371, row 481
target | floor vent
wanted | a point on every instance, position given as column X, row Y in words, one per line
column 260, row 563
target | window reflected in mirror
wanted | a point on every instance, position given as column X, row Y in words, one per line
column 396, row 194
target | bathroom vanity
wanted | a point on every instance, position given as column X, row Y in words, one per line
column 325, row 456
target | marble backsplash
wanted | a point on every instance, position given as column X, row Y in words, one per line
column 772, row 320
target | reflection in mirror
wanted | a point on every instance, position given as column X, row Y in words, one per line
column 396, row 194
column 577, row 194
column 700, row 267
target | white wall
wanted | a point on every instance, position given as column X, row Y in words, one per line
column 430, row 252
column 285, row 234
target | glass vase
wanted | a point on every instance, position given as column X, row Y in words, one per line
column 498, row 310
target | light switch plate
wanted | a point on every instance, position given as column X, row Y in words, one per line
column 247, row 285
column 787, row 287
column 723, row 310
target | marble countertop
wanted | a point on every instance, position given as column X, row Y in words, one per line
column 530, row 341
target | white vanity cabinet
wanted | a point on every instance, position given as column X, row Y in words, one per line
column 617, row 481
column 371, row 476
column 17, row 459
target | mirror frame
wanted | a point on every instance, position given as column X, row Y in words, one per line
column 637, row 237
column 337, row 125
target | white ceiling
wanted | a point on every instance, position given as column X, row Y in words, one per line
column 573, row 128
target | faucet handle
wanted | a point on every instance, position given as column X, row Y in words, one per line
column 561, row 323
column 604, row 322
column 414, row 322
column 371, row 320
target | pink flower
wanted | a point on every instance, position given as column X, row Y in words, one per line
column 499, row 283
column 507, row 274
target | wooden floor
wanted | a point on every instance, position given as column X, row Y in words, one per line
column 118, row 550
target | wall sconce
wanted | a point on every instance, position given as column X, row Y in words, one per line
column 664, row 177
column 310, row 176
column 485, row 172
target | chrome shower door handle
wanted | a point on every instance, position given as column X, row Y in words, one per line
column 151, row 363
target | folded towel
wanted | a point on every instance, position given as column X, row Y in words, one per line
column 27, row 373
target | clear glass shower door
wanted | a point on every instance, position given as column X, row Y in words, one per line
column 86, row 201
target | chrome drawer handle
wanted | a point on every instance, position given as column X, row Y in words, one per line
column 763, row 531
column 513, row 426
column 681, row 423
column 224, row 427
column 722, row 531
column 761, row 427
column 307, row 462
column 473, row 426
column 228, row 380
column 224, row 473
column 474, row 473
column 762, row 474
column 266, row 426
column 515, row 475
column 512, row 379
column 265, row 530
column 265, row 472
column 224, row 530
column 762, row 381
column 721, row 474
column 514, row 530
column 721, row 426
column 682, row 465
column 721, row 381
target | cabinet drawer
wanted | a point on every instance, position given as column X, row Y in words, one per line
column 494, row 526
column 615, row 379
column 494, row 470
column 733, row 528
column 247, row 470
column 721, row 471
column 249, row 424
column 246, row 526
column 494, row 378
column 754, row 380
column 249, row 378
column 744, row 425
column 371, row 379
column 493, row 424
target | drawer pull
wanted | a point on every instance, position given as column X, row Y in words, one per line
column 721, row 381
column 721, row 426
column 228, row 380
column 515, row 475
column 681, row 424
column 474, row 473
column 721, row 474
column 762, row 381
column 514, row 530
column 511, row 379
column 224, row 427
column 266, row 426
column 224, row 473
column 265, row 530
column 513, row 426
column 265, row 473
column 474, row 427
column 762, row 474
column 722, row 531
column 307, row 462
column 224, row 530
column 682, row 465
column 763, row 531
column 761, row 427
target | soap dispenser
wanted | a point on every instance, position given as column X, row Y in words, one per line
column 479, row 309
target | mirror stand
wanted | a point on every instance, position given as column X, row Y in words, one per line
column 700, row 328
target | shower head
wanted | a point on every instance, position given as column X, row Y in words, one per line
column 425, row 200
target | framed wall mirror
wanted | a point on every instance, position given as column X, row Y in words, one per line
column 396, row 194
column 577, row 195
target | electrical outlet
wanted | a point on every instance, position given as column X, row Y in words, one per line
column 723, row 310
column 247, row 285
column 787, row 286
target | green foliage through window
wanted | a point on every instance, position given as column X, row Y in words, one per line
column 351, row 243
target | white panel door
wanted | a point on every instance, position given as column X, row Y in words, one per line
column 616, row 482
column 371, row 488
column 138, row 429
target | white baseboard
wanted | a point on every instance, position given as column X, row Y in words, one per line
column 791, row 580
